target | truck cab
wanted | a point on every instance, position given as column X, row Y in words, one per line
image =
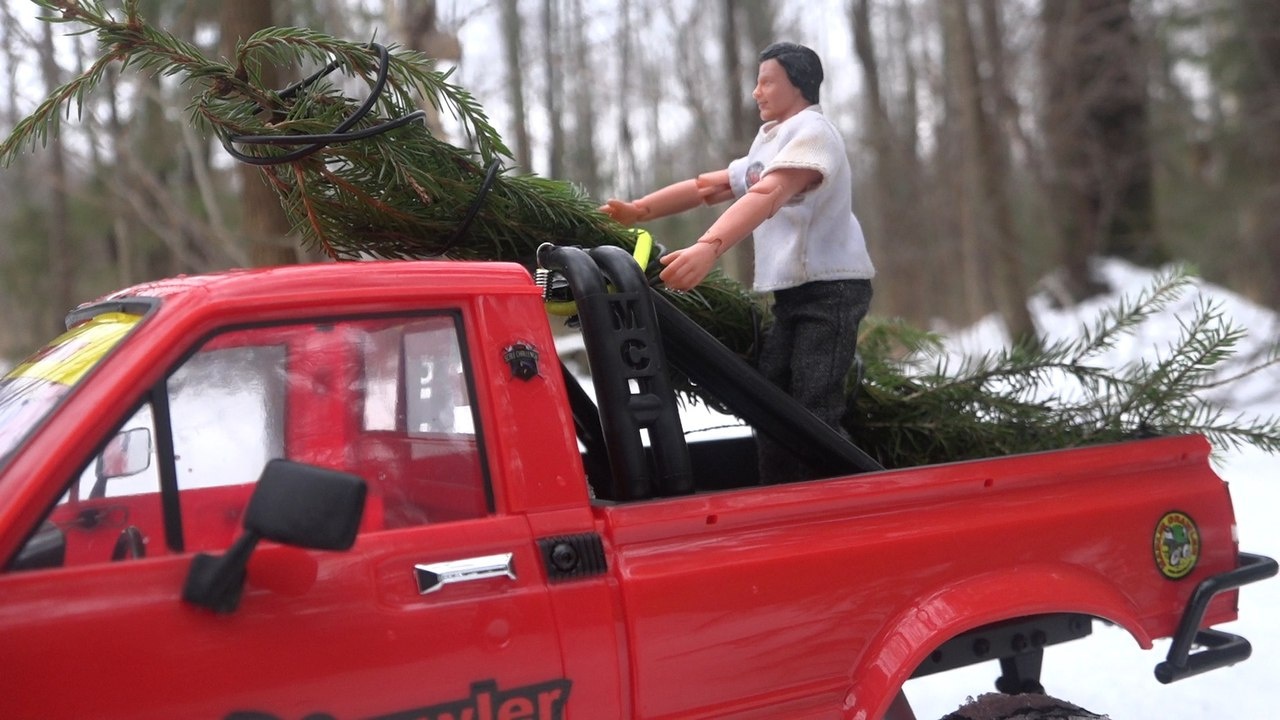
column 499, row 545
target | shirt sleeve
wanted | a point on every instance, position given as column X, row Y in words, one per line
column 738, row 177
column 815, row 146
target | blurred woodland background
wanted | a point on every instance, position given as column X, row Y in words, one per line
column 999, row 144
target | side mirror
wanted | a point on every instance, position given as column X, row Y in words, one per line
column 128, row 453
column 292, row 504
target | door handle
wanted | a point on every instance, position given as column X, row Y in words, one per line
column 433, row 576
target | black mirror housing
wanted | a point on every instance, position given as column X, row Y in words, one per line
column 293, row 504
column 306, row 506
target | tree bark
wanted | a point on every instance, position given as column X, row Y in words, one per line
column 585, row 166
column 992, row 239
column 961, row 115
column 62, row 278
column 422, row 33
column 1096, row 126
column 511, row 43
column 892, row 223
column 553, row 90
column 1260, row 231
column 264, row 223
column 1011, row 286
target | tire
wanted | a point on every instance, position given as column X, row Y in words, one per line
column 996, row 706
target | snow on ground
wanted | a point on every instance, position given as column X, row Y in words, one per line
column 1108, row 672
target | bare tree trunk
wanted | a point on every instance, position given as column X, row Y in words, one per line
column 1011, row 287
column 893, row 222
column 627, row 182
column 962, row 73
column 264, row 224
column 742, row 121
column 1096, row 126
column 554, row 89
column 989, row 217
column 515, row 82
column 1260, row 234
column 586, row 166
column 61, row 270
column 419, row 22
column 122, row 237
column 740, row 125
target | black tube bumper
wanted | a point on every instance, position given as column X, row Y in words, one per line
column 1219, row 648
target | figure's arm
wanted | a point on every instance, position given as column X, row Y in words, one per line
column 706, row 189
column 686, row 268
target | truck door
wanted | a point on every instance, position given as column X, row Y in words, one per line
column 440, row 610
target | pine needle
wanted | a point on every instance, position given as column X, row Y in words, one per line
column 407, row 194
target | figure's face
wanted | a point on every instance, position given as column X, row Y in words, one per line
column 776, row 97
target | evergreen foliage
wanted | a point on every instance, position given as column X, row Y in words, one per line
column 405, row 193
column 932, row 408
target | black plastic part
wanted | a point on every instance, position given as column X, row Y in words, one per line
column 131, row 306
column 753, row 398
column 216, row 582
column 628, row 369
column 586, row 421
column 1021, row 673
column 1220, row 649
column 47, row 548
column 130, row 545
column 294, row 504
column 1018, row 645
column 307, row 506
column 170, row 498
column 570, row 557
column 341, row 133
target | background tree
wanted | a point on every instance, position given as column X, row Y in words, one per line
column 512, row 43
column 1073, row 95
column 264, row 225
column 1096, row 129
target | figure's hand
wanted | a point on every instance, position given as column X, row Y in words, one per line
column 626, row 213
column 686, row 268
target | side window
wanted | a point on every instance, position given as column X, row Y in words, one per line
column 227, row 416
column 419, row 445
column 112, row 511
column 387, row 399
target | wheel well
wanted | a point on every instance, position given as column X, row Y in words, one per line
column 1057, row 600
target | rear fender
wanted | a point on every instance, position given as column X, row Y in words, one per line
column 916, row 630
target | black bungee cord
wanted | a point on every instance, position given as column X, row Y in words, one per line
column 342, row 133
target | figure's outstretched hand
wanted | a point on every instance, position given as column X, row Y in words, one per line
column 626, row 213
column 686, row 268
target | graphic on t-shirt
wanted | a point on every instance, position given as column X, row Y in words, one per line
column 756, row 169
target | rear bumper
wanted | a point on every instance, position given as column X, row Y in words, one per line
column 1218, row 648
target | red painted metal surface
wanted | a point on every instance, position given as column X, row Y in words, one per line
column 810, row 600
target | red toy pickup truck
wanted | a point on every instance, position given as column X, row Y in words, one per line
column 371, row 490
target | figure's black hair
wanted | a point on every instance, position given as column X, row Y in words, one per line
column 802, row 65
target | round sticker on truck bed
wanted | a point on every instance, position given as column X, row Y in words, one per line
column 1177, row 545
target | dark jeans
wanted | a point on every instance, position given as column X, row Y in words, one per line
column 808, row 352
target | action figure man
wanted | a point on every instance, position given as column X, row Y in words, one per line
column 794, row 190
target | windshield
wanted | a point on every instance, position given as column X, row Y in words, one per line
column 31, row 390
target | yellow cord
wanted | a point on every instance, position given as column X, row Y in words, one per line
column 644, row 248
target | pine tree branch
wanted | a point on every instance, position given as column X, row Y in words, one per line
column 400, row 192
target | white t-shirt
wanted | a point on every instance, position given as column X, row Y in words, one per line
column 815, row 236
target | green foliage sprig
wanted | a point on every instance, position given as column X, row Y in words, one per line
column 404, row 193
column 401, row 194
column 920, row 403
